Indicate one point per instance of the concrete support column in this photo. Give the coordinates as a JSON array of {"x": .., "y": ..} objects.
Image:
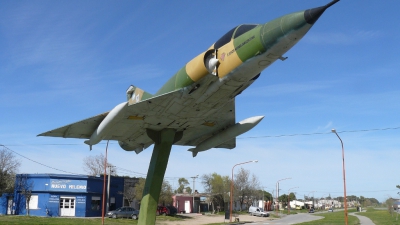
[{"x": 164, "y": 140}]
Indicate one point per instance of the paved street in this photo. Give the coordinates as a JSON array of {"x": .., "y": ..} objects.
[
  {"x": 292, "y": 219},
  {"x": 204, "y": 219}
]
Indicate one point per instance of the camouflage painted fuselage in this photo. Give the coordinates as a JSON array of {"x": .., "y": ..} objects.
[{"x": 266, "y": 42}]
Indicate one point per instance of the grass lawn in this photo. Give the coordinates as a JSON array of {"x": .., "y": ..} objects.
[
  {"x": 333, "y": 218},
  {"x": 85, "y": 221},
  {"x": 381, "y": 217}
]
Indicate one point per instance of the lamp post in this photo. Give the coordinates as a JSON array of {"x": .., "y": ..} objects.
[
  {"x": 312, "y": 198},
  {"x": 344, "y": 179},
  {"x": 288, "y": 207},
  {"x": 277, "y": 192},
  {"x": 230, "y": 207},
  {"x": 194, "y": 179}
]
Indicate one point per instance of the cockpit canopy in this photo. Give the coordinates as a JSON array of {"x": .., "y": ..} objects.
[{"x": 233, "y": 33}]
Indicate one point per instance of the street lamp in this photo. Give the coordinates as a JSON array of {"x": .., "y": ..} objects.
[
  {"x": 288, "y": 207},
  {"x": 344, "y": 179},
  {"x": 312, "y": 198},
  {"x": 277, "y": 192},
  {"x": 230, "y": 207},
  {"x": 194, "y": 179}
]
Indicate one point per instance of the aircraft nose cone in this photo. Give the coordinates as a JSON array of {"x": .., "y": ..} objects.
[{"x": 312, "y": 15}]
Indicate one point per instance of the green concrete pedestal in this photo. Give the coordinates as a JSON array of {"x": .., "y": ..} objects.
[{"x": 164, "y": 140}]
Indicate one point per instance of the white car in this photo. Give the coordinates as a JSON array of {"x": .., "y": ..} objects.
[{"x": 257, "y": 211}]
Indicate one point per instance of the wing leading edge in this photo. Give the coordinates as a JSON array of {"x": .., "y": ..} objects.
[{"x": 157, "y": 113}]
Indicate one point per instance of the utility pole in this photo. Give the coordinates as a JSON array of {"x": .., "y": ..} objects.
[
  {"x": 108, "y": 188},
  {"x": 277, "y": 193},
  {"x": 194, "y": 186}
]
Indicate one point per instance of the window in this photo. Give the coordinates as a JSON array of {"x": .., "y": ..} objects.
[
  {"x": 243, "y": 29},
  {"x": 224, "y": 39},
  {"x": 33, "y": 202},
  {"x": 112, "y": 203},
  {"x": 95, "y": 204}
]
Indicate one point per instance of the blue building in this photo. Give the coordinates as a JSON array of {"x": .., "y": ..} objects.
[{"x": 61, "y": 195}]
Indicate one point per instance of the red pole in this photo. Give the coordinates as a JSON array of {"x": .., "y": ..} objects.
[
  {"x": 289, "y": 199},
  {"x": 344, "y": 180},
  {"x": 104, "y": 186},
  {"x": 344, "y": 185}
]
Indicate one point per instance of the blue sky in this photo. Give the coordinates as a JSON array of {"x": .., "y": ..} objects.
[{"x": 63, "y": 61}]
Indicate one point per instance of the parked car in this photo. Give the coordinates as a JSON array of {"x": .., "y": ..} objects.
[
  {"x": 172, "y": 210},
  {"x": 162, "y": 210},
  {"x": 166, "y": 210},
  {"x": 330, "y": 210},
  {"x": 311, "y": 211},
  {"x": 124, "y": 212},
  {"x": 257, "y": 211}
]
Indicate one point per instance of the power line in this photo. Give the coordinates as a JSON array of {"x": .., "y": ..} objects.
[
  {"x": 264, "y": 136},
  {"x": 38, "y": 162},
  {"x": 129, "y": 171},
  {"x": 120, "y": 169},
  {"x": 319, "y": 133}
]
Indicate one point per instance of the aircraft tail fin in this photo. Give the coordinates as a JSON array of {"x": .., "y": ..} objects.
[{"x": 135, "y": 95}]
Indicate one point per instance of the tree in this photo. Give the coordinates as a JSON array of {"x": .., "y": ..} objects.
[
  {"x": 329, "y": 197},
  {"x": 267, "y": 196},
  {"x": 129, "y": 189},
  {"x": 94, "y": 165},
  {"x": 246, "y": 187},
  {"x": 283, "y": 198},
  {"x": 183, "y": 184},
  {"x": 389, "y": 204},
  {"x": 219, "y": 187},
  {"x": 373, "y": 201},
  {"x": 165, "y": 193},
  {"x": 139, "y": 187},
  {"x": 292, "y": 196},
  {"x": 9, "y": 166},
  {"x": 24, "y": 186},
  {"x": 129, "y": 194},
  {"x": 362, "y": 200}
]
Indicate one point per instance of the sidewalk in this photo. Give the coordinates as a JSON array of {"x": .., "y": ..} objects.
[{"x": 363, "y": 219}]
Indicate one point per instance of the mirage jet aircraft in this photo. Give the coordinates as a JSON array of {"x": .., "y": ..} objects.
[
  {"x": 196, "y": 107},
  {"x": 198, "y": 102}
]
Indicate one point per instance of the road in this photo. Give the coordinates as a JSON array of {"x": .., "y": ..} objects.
[
  {"x": 198, "y": 219},
  {"x": 292, "y": 219}
]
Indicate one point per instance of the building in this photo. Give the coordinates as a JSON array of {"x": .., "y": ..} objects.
[
  {"x": 331, "y": 203},
  {"x": 184, "y": 203},
  {"x": 294, "y": 204},
  {"x": 61, "y": 195}
]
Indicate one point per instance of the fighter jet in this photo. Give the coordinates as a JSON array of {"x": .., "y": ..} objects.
[{"x": 198, "y": 102}]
